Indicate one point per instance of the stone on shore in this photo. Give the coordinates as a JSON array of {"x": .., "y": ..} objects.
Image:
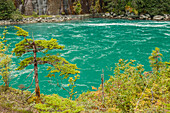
[{"x": 158, "y": 17}]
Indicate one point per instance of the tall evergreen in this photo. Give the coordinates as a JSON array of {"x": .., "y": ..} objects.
[{"x": 6, "y": 9}]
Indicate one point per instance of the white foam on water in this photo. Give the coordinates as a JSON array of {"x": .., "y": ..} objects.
[
  {"x": 81, "y": 85},
  {"x": 167, "y": 34},
  {"x": 76, "y": 58},
  {"x": 120, "y": 24},
  {"x": 125, "y": 24},
  {"x": 166, "y": 22}
]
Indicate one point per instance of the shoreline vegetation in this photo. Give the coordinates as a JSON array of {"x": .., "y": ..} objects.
[
  {"x": 129, "y": 89},
  {"x": 32, "y": 11},
  {"x": 62, "y": 18}
]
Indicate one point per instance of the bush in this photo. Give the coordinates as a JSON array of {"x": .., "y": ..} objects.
[
  {"x": 77, "y": 7},
  {"x": 16, "y": 15},
  {"x": 54, "y": 103},
  {"x": 95, "y": 8},
  {"x": 5, "y": 59},
  {"x": 6, "y": 9},
  {"x": 34, "y": 14},
  {"x": 133, "y": 90}
]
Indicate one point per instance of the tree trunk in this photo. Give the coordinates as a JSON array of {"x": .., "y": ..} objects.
[{"x": 37, "y": 88}]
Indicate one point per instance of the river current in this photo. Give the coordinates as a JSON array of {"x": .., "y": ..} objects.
[{"x": 92, "y": 44}]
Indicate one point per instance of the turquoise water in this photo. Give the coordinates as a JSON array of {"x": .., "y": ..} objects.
[{"x": 93, "y": 44}]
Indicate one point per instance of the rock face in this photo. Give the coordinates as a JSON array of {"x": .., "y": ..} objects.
[
  {"x": 53, "y": 7},
  {"x": 28, "y": 7},
  {"x": 40, "y": 6}
]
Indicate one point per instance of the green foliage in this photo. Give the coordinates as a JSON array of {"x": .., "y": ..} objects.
[
  {"x": 45, "y": 16},
  {"x": 95, "y": 8},
  {"x": 5, "y": 60},
  {"x": 44, "y": 45},
  {"x": 6, "y": 8},
  {"x": 77, "y": 7},
  {"x": 42, "y": 16},
  {"x": 152, "y": 7},
  {"x": 54, "y": 103},
  {"x": 58, "y": 64},
  {"x": 21, "y": 32},
  {"x": 16, "y": 15},
  {"x": 156, "y": 60},
  {"x": 34, "y": 14},
  {"x": 133, "y": 90},
  {"x": 155, "y": 7},
  {"x": 116, "y": 6}
]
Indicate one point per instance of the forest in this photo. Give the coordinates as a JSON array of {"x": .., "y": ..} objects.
[{"x": 12, "y": 9}]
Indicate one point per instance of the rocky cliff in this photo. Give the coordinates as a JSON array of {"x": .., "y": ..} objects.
[{"x": 51, "y": 7}]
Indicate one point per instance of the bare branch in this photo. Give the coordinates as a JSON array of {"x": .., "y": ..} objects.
[
  {"x": 27, "y": 40},
  {"x": 30, "y": 95},
  {"x": 30, "y": 84},
  {"x": 29, "y": 74}
]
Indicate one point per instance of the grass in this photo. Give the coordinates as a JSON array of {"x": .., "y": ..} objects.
[{"x": 39, "y": 16}]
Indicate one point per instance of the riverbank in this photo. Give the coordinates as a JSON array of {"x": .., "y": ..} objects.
[
  {"x": 61, "y": 18},
  {"x": 165, "y": 17},
  {"x": 49, "y": 19}
]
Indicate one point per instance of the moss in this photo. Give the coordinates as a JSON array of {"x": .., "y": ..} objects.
[{"x": 36, "y": 16}]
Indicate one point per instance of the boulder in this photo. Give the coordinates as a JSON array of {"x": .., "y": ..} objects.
[
  {"x": 143, "y": 17},
  {"x": 114, "y": 14},
  {"x": 166, "y": 17},
  {"x": 107, "y": 14},
  {"x": 158, "y": 17}
]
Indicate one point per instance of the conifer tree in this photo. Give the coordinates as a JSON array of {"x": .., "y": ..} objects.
[
  {"x": 58, "y": 63},
  {"x": 6, "y": 9}
]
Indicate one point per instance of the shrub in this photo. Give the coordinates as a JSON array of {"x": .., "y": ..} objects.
[
  {"x": 77, "y": 7},
  {"x": 16, "y": 15},
  {"x": 95, "y": 8},
  {"x": 34, "y": 14},
  {"x": 54, "y": 103},
  {"x": 133, "y": 90},
  {"x": 6, "y": 9},
  {"x": 5, "y": 60}
]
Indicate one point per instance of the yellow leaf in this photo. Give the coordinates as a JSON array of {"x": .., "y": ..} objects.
[{"x": 93, "y": 87}]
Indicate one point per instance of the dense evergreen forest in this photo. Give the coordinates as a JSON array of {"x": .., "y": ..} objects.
[{"x": 13, "y": 8}]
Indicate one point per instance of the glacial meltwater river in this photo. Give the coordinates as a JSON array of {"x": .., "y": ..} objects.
[{"x": 93, "y": 44}]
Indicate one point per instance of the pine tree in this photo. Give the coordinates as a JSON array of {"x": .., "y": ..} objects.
[
  {"x": 6, "y": 9},
  {"x": 58, "y": 63}
]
